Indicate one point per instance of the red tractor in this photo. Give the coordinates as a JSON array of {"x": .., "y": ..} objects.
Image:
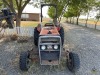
[{"x": 49, "y": 40}]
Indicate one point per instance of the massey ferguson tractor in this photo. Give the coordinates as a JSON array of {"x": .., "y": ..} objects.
[{"x": 49, "y": 40}]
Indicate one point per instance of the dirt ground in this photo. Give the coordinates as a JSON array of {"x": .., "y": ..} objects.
[{"x": 83, "y": 41}]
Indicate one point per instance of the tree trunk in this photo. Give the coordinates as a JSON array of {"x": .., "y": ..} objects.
[
  {"x": 73, "y": 20},
  {"x": 66, "y": 19},
  {"x": 70, "y": 20},
  {"x": 55, "y": 21},
  {"x": 59, "y": 19},
  {"x": 87, "y": 19},
  {"x": 96, "y": 23},
  {"x": 18, "y": 24},
  {"x": 18, "y": 21},
  {"x": 77, "y": 20}
]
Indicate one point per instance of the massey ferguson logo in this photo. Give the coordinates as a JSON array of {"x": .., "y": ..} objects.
[{"x": 49, "y": 47}]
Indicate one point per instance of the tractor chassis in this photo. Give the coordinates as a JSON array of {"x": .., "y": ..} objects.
[
  {"x": 72, "y": 59},
  {"x": 34, "y": 54}
]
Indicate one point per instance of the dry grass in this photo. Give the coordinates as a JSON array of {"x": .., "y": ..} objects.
[
  {"x": 92, "y": 22},
  {"x": 33, "y": 23},
  {"x": 29, "y": 23}
]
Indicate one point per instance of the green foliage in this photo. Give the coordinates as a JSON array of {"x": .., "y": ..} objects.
[
  {"x": 98, "y": 16},
  {"x": 68, "y": 14},
  {"x": 97, "y": 5},
  {"x": 60, "y": 5},
  {"x": 51, "y": 11},
  {"x": 77, "y": 7},
  {"x": 1, "y": 4},
  {"x": 89, "y": 5},
  {"x": 72, "y": 12}
]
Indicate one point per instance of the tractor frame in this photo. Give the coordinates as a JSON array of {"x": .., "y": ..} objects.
[{"x": 49, "y": 40}]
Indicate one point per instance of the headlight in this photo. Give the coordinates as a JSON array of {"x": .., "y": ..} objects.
[
  {"x": 43, "y": 47},
  {"x": 55, "y": 46}
]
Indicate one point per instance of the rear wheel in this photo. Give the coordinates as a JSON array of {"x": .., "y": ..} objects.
[
  {"x": 36, "y": 36},
  {"x": 24, "y": 61},
  {"x": 73, "y": 62},
  {"x": 62, "y": 34}
]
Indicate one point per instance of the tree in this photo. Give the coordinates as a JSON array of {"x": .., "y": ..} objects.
[
  {"x": 89, "y": 5},
  {"x": 51, "y": 15},
  {"x": 60, "y": 6},
  {"x": 97, "y": 7},
  {"x": 1, "y": 4},
  {"x": 97, "y": 17},
  {"x": 76, "y": 7},
  {"x": 71, "y": 12},
  {"x": 51, "y": 12},
  {"x": 18, "y": 5}
]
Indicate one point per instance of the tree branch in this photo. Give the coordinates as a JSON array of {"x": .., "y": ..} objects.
[
  {"x": 25, "y": 4},
  {"x": 20, "y": 3},
  {"x": 4, "y": 1},
  {"x": 9, "y": 5},
  {"x": 17, "y": 3},
  {"x": 19, "y": 6}
]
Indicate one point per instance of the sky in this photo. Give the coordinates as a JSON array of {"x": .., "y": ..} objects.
[{"x": 31, "y": 9}]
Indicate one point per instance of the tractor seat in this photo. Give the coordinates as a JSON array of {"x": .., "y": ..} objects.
[{"x": 49, "y": 24}]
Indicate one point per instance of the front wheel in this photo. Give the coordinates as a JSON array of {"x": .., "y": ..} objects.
[
  {"x": 73, "y": 62},
  {"x": 24, "y": 61}
]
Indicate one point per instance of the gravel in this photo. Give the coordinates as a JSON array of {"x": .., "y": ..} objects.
[
  {"x": 83, "y": 41},
  {"x": 86, "y": 43}
]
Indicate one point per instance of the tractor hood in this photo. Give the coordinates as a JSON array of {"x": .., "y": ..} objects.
[{"x": 49, "y": 31}]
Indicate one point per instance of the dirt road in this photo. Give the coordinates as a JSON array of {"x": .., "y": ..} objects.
[
  {"x": 86, "y": 43},
  {"x": 83, "y": 41}
]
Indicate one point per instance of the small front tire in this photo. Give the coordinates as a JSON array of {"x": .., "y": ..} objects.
[
  {"x": 73, "y": 62},
  {"x": 24, "y": 61}
]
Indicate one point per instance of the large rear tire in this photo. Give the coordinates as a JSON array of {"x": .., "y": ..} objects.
[
  {"x": 36, "y": 36},
  {"x": 24, "y": 61},
  {"x": 61, "y": 32},
  {"x": 73, "y": 62}
]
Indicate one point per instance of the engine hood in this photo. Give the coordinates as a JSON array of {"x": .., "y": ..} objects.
[{"x": 49, "y": 31}]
